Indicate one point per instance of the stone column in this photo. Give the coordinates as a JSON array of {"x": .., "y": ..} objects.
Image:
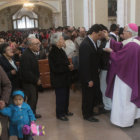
[
  {"x": 133, "y": 11},
  {"x": 121, "y": 12},
  {"x": 126, "y": 12},
  {"x": 89, "y": 13},
  {"x": 70, "y": 12},
  {"x": 64, "y": 13}
]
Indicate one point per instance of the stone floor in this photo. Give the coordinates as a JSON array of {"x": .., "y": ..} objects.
[{"x": 77, "y": 128}]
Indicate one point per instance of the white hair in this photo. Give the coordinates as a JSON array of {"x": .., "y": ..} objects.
[
  {"x": 55, "y": 38},
  {"x": 31, "y": 36},
  {"x": 133, "y": 32}
]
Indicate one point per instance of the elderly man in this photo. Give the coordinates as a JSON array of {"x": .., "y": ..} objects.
[
  {"x": 123, "y": 78},
  {"x": 5, "y": 90},
  {"x": 79, "y": 39},
  {"x": 29, "y": 72}
]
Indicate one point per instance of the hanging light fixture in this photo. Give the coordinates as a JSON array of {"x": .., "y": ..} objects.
[{"x": 28, "y": 6}]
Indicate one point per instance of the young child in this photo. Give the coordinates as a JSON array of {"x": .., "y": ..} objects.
[{"x": 20, "y": 114}]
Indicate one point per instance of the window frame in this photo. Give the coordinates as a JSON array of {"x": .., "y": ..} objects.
[{"x": 35, "y": 19}]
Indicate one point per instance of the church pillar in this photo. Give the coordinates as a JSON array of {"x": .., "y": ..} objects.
[
  {"x": 126, "y": 12},
  {"x": 133, "y": 11},
  {"x": 64, "y": 13},
  {"x": 121, "y": 13},
  {"x": 89, "y": 13},
  {"x": 70, "y": 12}
]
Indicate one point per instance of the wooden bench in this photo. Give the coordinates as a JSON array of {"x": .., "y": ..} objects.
[{"x": 44, "y": 70}]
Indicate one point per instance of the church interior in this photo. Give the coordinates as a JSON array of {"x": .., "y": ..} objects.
[{"x": 26, "y": 15}]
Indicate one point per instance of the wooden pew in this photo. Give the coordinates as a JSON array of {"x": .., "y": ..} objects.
[{"x": 44, "y": 72}]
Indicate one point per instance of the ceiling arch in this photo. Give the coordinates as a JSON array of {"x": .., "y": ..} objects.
[
  {"x": 24, "y": 11},
  {"x": 53, "y": 5}
]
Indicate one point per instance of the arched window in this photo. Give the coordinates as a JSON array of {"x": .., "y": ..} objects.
[{"x": 25, "y": 18}]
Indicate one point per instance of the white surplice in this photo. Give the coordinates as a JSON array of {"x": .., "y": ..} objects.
[
  {"x": 124, "y": 112},
  {"x": 103, "y": 85}
]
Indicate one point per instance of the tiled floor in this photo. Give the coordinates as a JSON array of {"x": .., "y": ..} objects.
[{"x": 77, "y": 128}]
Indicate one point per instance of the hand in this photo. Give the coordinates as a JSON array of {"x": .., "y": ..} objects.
[
  {"x": 106, "y": 34},
  {"x": 109, "y": 50},
  {"x": 47, "y": 54},
  {"x": 13, "y": 72},
  {"x": 71, "y": 67},
  {"x": 39, "y": 82},
  {"x": 90, "y": 83},
  {"x": 2, "y": 104},
  {"x": 32, "y": 122}
]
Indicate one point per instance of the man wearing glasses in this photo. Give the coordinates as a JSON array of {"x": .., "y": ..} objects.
[
  {"x": 123, "y": 78},
  {"x": 29, "y": 72}
]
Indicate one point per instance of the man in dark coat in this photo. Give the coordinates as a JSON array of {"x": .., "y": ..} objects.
[
  {"x": 114, "y": 30},
  {"x": 5, "y": 91},
  {"x": 89, "y": 74},
  {"x": 29, "y": 72},
  {"x": 104, "y": 66}
]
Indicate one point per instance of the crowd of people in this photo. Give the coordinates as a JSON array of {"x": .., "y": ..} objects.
[{"x": 105, "y": 62}]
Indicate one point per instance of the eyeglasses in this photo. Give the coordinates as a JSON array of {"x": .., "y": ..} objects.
[{"x": 125, "y": 31}]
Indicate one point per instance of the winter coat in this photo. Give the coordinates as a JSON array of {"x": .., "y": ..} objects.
[
  {"x": 18, "y": 118},
  {"x": 29, "y": 69},
  {"x": 59, "y": 70}
]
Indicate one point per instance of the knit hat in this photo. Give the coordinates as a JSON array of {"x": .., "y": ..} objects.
[{"x": 18, "y": 92}]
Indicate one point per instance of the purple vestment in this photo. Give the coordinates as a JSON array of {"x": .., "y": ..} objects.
[{"x": 125, "y": 63}]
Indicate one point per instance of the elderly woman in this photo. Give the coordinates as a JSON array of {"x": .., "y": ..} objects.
[
  {"x": 60, "y": 76},
  {"x": 8, "y": 65}
]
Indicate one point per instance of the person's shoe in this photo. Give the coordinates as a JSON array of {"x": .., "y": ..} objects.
[
  {"x": 104, "y": 111},
  {"x": 69, "y": 114},
  {"x": 38, "y": 116},
  {"x": 63, "y": 118},
  {"x": 92, "y": 119}
]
